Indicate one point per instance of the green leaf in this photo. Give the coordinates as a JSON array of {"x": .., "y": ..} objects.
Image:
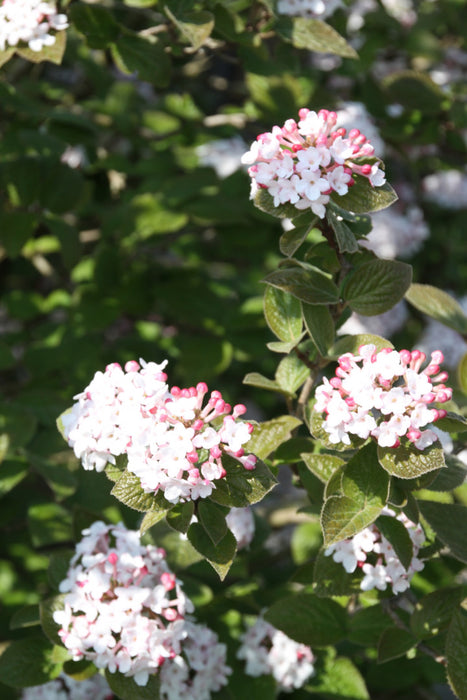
[
  {"x": 438, "y": 305},
  {"x": 415, "y": 90},
  {"x": 292, "y": 450},
  {"x": 314, "y": 35},
  {"x": 179, "y": 517},
  {"x": 283, "y": 314},
  {"x": 47, "y": 608},
  {"x": 49, "y": 524},
  {"x": 145, "y": 56},
  {"x": 17, "y": 423},
  {"x": 16, "y": 228},
  {"x": 5, "y": 56},
  {"x": 449, "y": 521},
  {"x": 393, "y": 643},
  {"x": 341, "y": 680},
  {"x": 291, "y": 240},
  {"x": 27, "y": 662},
  {"x": 315, "y": 426},
  {"x": 96, "y": 23},
  {"x": 269, "y": 435},
  {"x": 365, "y": 489},
  {"x": 410, "y": 462},
  {"x": 25, "y": 617},
  {"x": 451, "y": 477},
  {"x": 367, "y": 625},
  {"x": 452, "y": 423},
  {"x": 263, "y": 201},
  {"x": 331, "y": 579},
  {"x": 308, "y": 619},
  {"x": 12, "y": 472},
  {"x": 150, "y": 519},
  {"x": 220, "y": 555},
  {"x": 126, "y": 688},
  {"x": 280, "y": 347},
  {"x": 346, "y": 241},
  {"x": 462, "y": 374},
  {"x": 59, "y": 564},
  {"x": 53, "y": 53},
  {"x": 362, "y": 198},
  {"x": 310, "y": 285},
  {"x": 291, "y": 373},
  {"x": 396, "y": 533},
  {"x": 79, "y": 670},
  {"x": 433, "y": 613},
  {"x": 322, "y": 465},
  {"x": 195, "y": 27},
  {"x": 376, "y": 286},
  {"x": 257, "y": 379},
  {"x": 352, "y": 343},
  {"x": 242, "y": 487},
  {"x": 129, "y": 491},
  {"x": 456, "y": 645},
  {"x": 320, "y": 326},
  {"x": 212, "y": 517}
]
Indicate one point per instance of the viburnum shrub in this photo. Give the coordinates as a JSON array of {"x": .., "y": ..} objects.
[{"x": 317, "y": 548}]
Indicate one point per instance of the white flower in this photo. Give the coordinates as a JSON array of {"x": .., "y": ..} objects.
[{"x": 29, "y": 22}]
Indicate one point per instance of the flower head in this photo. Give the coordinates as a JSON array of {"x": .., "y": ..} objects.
[
  {"x": 29, "y": 22},
  {"x": 383, "y": 395},
  {"x": 303, "y": 163},
  {"x": 174, "y": 440}
]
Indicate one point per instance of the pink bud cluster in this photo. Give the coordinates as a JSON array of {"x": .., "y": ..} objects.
[
  {"x": 268, "y": 651},
  {"x": 125, "y": 611},
  {"x": 29, "y": 22},
  {"x": 386, "y": 568},
  {"x": 173, "y": 439},
  {"x": 383, "y": 395},
  {"x": 303, "y": 163}
]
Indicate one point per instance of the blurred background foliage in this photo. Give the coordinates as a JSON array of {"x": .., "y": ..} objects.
[{"x": 119, "y": 241}]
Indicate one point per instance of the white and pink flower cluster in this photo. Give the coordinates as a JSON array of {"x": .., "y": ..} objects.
[
  {"x": 125, "y": 611},
  {"x": 173, "y": 443},
  {"x": 303, "y": 163},
  {"x": 268, "y": 651},
  {"x": 383, "y": 395},
  {"x": 387, "y": 568},
  {"x": 66, "y": 688},
  {"x": 29, "y": 22}
]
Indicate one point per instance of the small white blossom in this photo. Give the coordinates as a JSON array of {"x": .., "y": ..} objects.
[{"x": 29, "y": 22}]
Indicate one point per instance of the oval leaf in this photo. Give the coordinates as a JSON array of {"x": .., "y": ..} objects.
[
  {"x": 314, "y": 35},
  {"x": 320, "y": 326},
  {"x": 438, "y": 305},
  {"x": 449, "y": 521},
  {"x": 409, "y": 462},
  {"x": 242, "y": 487},
  {"x": 377, "y": 286},
  {"x": 283, "y": 314},
  {"x": 308, "y": 619},
  {"x": 456, "y": 644},
  {"x": 310, "y": 285}
]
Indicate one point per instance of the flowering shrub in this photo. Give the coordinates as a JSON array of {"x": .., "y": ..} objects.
[
  {"x": 167, "y": 435},
  {"x": 29, "y": 22},
  {"x": 267, "y": 650},
  {"x": 372, "y": 386},
  {"x": 335, "y": 519},
  {"x": 302, "y": 163}
]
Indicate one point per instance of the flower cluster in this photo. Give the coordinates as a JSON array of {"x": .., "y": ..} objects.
[
  {"x": 398, "y": 234},
  {"x": 173, "y": 443},
  {"x": 387, "y": 568},
  {"x": 383, "y": 395},
  {"x": 303, "y": 163},
  {"x": 268, "y": 651},
  {"x": 66, "y": 688},
  {"x": 29, "y": 22},
  {"x": 446, "y": 188},
  {"x": 125, "y": 611},
  {"x": 241, "y": 524}
]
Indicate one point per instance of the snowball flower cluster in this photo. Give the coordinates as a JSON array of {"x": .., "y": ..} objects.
[
  {"x": 383, "y": 395},
  {"x": 268, "y": 651},
  {"x": 397, "y": 233},
  {"x": 303, "y": 163},
  {"x": 446, "y": 188},
  {"x": 173, "y": 443},
  {"x": 387, "y": 568},
  {"x": 29, "y": 22},
  {"x": 241, "y": 524},
  {"x": 125, "y": 611},
  {"x": 224, "y": 155},
  {"x": 66, "y": 688}
]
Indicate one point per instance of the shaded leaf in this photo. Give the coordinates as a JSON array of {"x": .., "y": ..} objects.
[
  {"x": 415, "y": 90},
  {"x": 25, "y": 617},
  {"x": 456, "y": 644},
  {"x": 179, "y": 517},
  {"x": 291, "y": 240},
  {"x": 346, "y": 241},
  {"x": 195, "y": 27},
  {"x": 433, "y": 613},
  {"x": 27, "y": 662},
  {"x": 396, "y": 533},
  {"x": 438, "y": 305},
  {"x": 362, "y": 198},
  {"x": 291, "y": 373},
  {"x": 212, "y": 517},
  {"x": 449, "y": 521},
  {"x": 376, "y": 286},
  {"x": 46, "y": 610},
  {"x": 283, "y": 314},
  {"x": 320, "y": 326},
  {"x": 308, "y": 619},
  {"x": 145, "y": 56},
  {"x": 352, "y": 343},
  {"x": 331, "y": 579},
  {"x": 96, "y": 23},
  {"x": 219, "y": 555},
  {"x": 367, "y": 625},
  {"x": 242, "y": 487},
  {"x": 126, "y": 688},
  {"x": 310, "y": 285},
  {"x": 393, "y": 643}
]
